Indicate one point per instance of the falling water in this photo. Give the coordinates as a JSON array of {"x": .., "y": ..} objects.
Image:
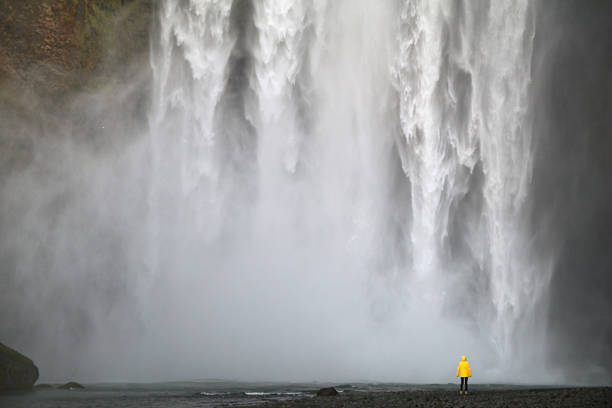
[
  {"x": 353, "y": 166},
  {"x": 463, "y": 76}
]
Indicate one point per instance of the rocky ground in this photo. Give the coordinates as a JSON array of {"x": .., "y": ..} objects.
[{"x": 565, "y": 397}]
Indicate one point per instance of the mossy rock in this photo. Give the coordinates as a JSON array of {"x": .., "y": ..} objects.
[
  {"x": 17, "y": 372},
  {"x": 72, "y": 385},
  {"x": 54, "y": 48}
]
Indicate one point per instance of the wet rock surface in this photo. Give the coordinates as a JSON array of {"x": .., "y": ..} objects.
[
  {"x": 327, "y": 392},
  {"x": 17, "y": 372},
  {"x": 566, "y": 397}
]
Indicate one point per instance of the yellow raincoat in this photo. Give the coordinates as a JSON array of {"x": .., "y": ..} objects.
[{"x": 464, "y": 369}]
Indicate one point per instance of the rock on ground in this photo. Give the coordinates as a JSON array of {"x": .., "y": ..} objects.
[
  {"x": 327, "y": 392},
  {"x": 71, "y": 386},
  {"x": 17, "y": 372}
]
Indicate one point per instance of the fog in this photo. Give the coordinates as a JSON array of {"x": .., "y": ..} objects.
[{"x": 321, "y": 191}]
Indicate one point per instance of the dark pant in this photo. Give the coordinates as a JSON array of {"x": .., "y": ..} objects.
[{"x": 463, "y": 382}]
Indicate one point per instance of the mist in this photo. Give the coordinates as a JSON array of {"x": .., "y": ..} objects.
[{"x": 320, "y": 191}]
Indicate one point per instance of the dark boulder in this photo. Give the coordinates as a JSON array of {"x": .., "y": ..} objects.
[
  {"x": 72, "y": 385},
  {"x": 327, "y": 392},
  {"x": 17, "y": 372}
]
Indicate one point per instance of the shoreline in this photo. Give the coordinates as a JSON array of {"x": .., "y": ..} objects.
[{"x": 291, "y": 395}]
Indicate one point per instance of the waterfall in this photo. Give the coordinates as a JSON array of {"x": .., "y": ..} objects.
[
  {"x": 463, "y": 74},
  {"x": 366, "y": 159}
]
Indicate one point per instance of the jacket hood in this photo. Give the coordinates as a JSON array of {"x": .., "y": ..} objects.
[{"x": 463, "y": 358}]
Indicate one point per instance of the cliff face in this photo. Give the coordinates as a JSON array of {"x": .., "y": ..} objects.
[
  {"x": 62, "y": 63},
  {"x": 17, "y": 372},
  {"x": 55, "y": 46},
  {"x": 53, "y": 52}
]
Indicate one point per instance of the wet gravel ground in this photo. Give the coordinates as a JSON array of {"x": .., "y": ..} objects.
[{"x": 533, "y": 398}]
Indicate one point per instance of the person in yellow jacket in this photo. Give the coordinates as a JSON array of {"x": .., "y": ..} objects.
[{"x": 464, "y": 371}]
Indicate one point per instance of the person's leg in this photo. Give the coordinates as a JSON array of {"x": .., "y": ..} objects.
[
  {"x": 462, "y": 382},
  {"x": 466, "y": 380}
]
